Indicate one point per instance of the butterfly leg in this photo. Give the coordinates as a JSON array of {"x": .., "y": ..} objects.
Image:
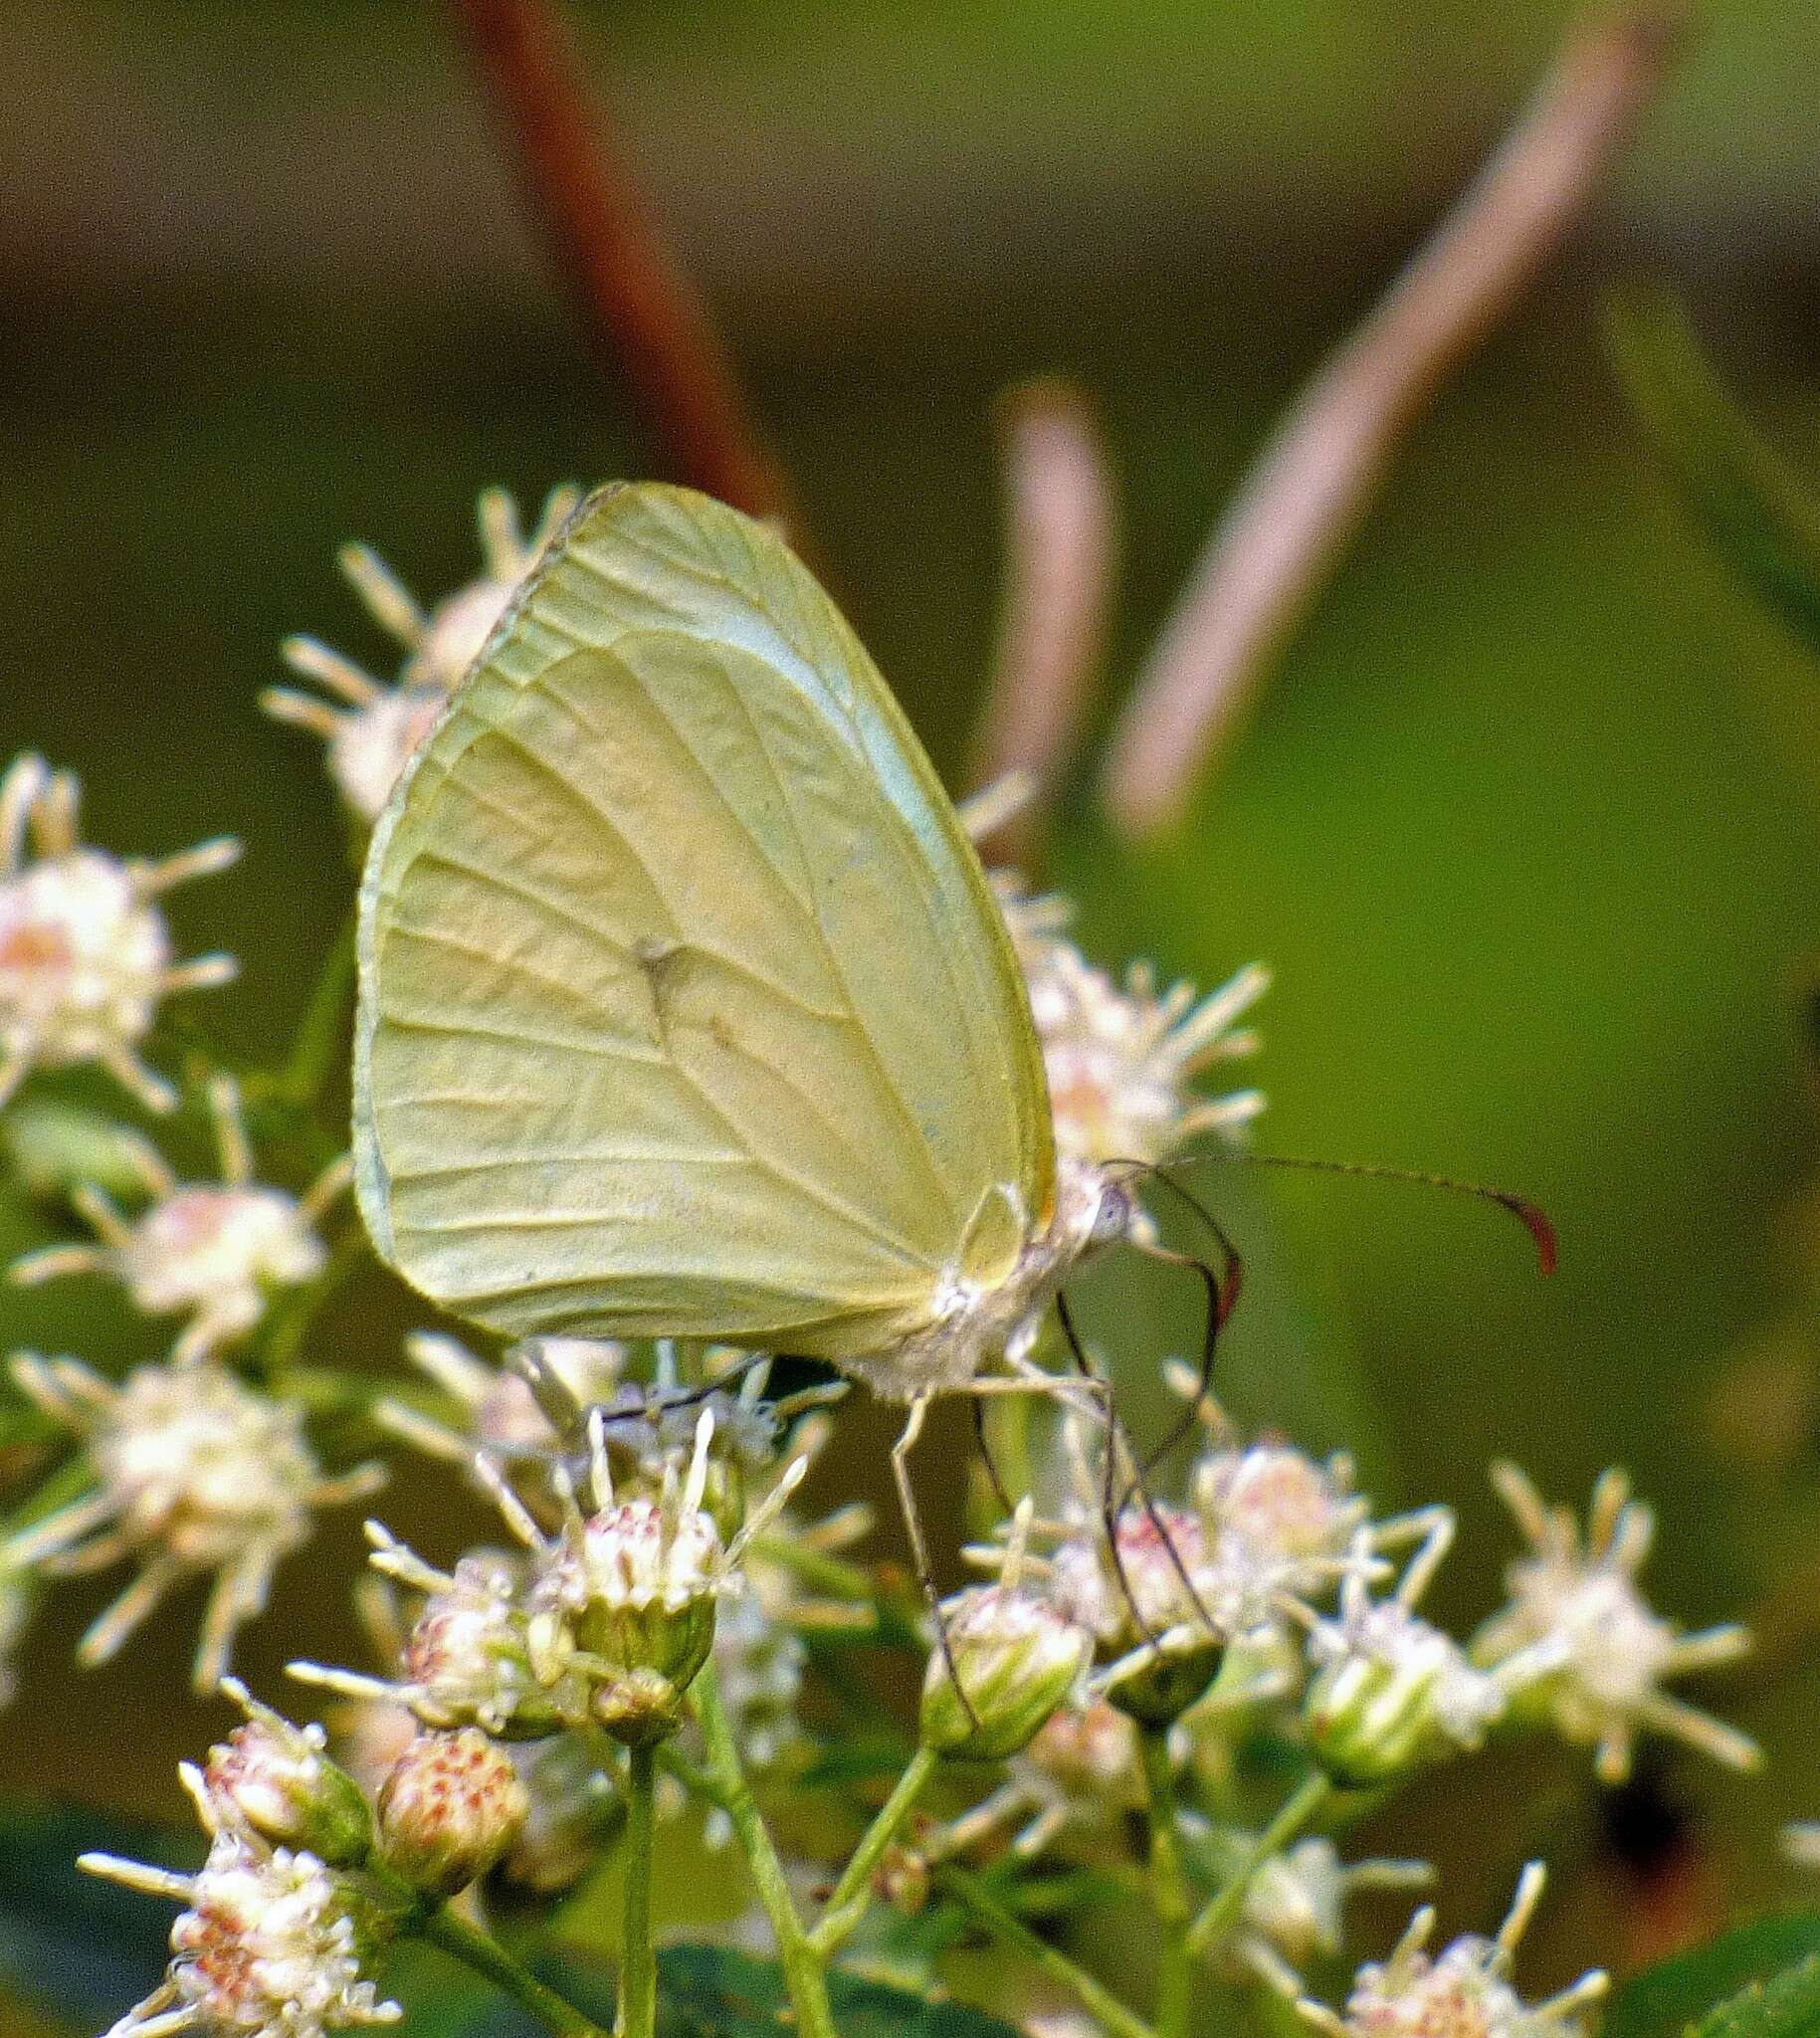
[
  {"x": 984, "y": 1445},
  {"x": 1117, "y": 1438},
  {"x": 1094, "y": 1394},
  {"x": 919, "y": 1548}
]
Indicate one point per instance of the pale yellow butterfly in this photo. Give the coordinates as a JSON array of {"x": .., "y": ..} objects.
[{"x": 686, "y": 1008}]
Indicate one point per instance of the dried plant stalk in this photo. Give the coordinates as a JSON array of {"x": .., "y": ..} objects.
[
  {"x": 1061, "y": 546},
  {"x": 1283, "y": 532},
  {"x": 639, "y": 308}
]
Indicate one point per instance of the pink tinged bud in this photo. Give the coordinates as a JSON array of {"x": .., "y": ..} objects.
[
  {"x": 453, "y": 1804},
  {"x": 469, "y": 1657},
  {"x": 273, "y": 1781},
  {"x": 1152, "y": 1609},
  {"x": 639, "y": 1580},
  {"x": 648, "y": 1620},
  {"x": 1016, "y": 1659}
]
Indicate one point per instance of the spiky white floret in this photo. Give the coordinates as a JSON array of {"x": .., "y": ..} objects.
[
  {"x": 372, "y": 728},
  {"x": 194, "y": 1472},
  {"x": 86, "y": 956},
  {"x": 1575, "y": 1605},
  {"x": 211, "y": 1251}
]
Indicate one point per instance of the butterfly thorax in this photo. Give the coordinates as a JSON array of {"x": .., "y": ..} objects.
[{"x": 973, "y": 1323}]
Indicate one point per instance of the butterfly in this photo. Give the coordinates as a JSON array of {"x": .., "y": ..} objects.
[{"x": 686, "y": 1008}]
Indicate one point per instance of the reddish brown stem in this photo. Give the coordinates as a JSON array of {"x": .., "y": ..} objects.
[
  {"x": 1060, "y": 539},
  {"x": 640, "y": 313},
  {"x": 1288, "y": 526}
]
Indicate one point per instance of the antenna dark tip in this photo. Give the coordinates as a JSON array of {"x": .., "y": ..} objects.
[{"x": 1537, "y": 1222}]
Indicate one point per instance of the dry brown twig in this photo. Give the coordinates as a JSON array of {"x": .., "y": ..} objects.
[
  {"x": 639, "y": 309},
  {"x": 1285, "y": 530},
  {"x": 1061, "y": 547}
]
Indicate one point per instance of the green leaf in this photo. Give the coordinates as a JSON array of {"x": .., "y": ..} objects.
[
  {"x": 715, "y": 1992},
  {"x": 78, "y": 1948},
  {"x": 1758, "y": 513},
  {"x": 442, "y": 1999},
  {"x": 1787, "y": 2006},
  {"x": 1696, "y": 1989},
  {"x": 857, "y": 1761}
]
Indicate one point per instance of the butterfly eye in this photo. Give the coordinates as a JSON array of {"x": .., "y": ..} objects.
[{"x": 1112, "y": 1219}]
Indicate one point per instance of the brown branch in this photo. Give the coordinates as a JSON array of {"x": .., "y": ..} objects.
[
  {"x": 1283, "y": 532},
  {"x": 640, "y": 312},
  {"x": 1061, "y": 541}
]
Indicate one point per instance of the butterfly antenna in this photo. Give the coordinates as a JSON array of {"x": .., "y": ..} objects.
[
  {"x": 1532, "y": 1216},
  {"x": 665, "y": 1399},
  {"x": 1233, "y": 1275},
  {"x": 1220, "y": 1302}
]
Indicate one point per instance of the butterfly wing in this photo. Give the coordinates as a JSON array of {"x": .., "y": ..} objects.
[{"x": 685, "y": 1006}]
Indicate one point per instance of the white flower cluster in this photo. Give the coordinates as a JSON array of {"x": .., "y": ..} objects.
[
  {"x": 371, "y": 728},
  {"x": 276, "y": 1939},
  {"x": 85, "y": 953},
  {"x": 1577, "y": 1611},
  {"x": 306, "y": 1881},
  {"x": 1121, "y": 1057},
  {"x": 213, "y": 1252},
  {"x": 1464, "y": 1991},
  {"x": 268, "y": 1947},
  {"x": 194, "y": 1474},
  {"x": 491, "y": 1415},
  {"x": 189, "y": 1471},
  {"x": 610, "y": 1610},
  {"x": 1272, "y": 1598}
]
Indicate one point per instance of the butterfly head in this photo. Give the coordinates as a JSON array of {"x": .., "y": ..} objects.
[{"x": 973, "y": 1320}]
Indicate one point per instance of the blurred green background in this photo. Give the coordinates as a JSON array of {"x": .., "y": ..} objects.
[{"x": 1528, "y": 828}]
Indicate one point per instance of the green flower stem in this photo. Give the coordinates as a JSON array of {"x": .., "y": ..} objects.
[
  {"x": 1222, "y": 1911},
  {"x": 973, "y": 1897},
  {"x": 802, "y": 1966},
  {"x": 1169, "y": 1887},
  {"x": 637, "y": 1963},
  {"x": 852, "y": 1892},
  {"x": 71, "y": 1478},
  {"x": 317, "y": 1050},
  {"x": 451, "y": 1932}
]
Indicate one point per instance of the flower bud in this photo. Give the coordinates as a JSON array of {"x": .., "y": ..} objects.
[
  {"x": 453, "y": 1804},
  {"x": 1015, "y": 1660},
  {"x": 646, "y": 1613},
  {"x": 57, "y": 1148},
  {"x": 636, "y": 1583},
  {"x": 1394, "y": 1692},
  {"x": 1168, "y": 1678},
  {"x": 1149, "y": 1605},
  {"x": 273, "y": 1780},
  {"x": 472, "y": 1656}
]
